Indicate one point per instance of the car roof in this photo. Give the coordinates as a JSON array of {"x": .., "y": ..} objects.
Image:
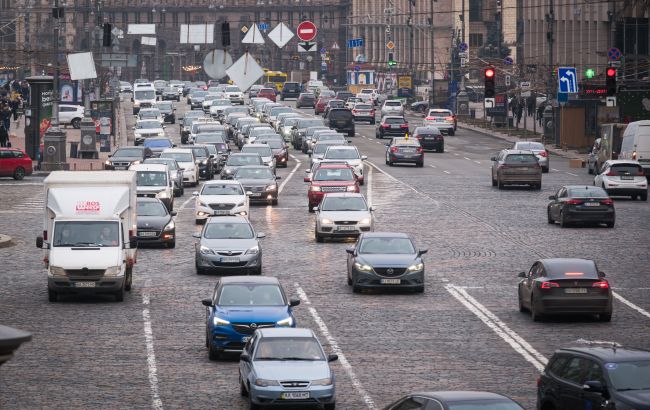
[
  {"x": 607, "y": 352},
  {"x": 148, "y": 167},
  {"x": 622, "y": 161},
  {"x": 556, "y": 265},
  {"x": 249, "y": 279},
  {"x": 180, "y": 150},
  {"x": 344, "y": 195},
  {"x": 327, "y": 165},
  {"x": 254, "y": 167},
  {"x": 518, "y": 151},
  {"x": 460, "y": 395},
  {"x": 386, "y": 234},
  {"x": 222, "y": 182},
  {"x": 233, "y": 219},
  {"x": 286, "y": 332}
]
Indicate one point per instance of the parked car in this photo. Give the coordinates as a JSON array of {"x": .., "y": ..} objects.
[
  {"x": 156, "y": 225},
  {"x": 404, "y": 150},
  {"x": 623, "y": 177},
  {"x": 341, "y": 120},
  {"x": 538, "y": 149},
  {"x": 455, "y": 400},
  {"x": 516, "y": 167},
  {"x": 581, "y": 204},
  {"x": 15, "y": 163},
  {"x": 306, "y": 100},
  {"x": 430, "y": 138},
  {"x": 392, "y": 126}
]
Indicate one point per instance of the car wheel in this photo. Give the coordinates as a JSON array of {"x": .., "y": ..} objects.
[
  {"x": 605, "y": 317},
  {"x": 549, "y": 218},
  {"x": 76, "y": 123},
  {"x": 533, "y": 312},
  {"x": 129, "y": 279},
  {"x": 644, "y": 196},
  {"x": 610, "y": 224},
  {"x": 19, "y": 173},
  {"x": 319, "y": 238},
  {"x": 242, "y": 389},
  {"x": 355, "y": 288},
  {"x": 199, "y": 270},
  {"x": 494, "y": 181},
  {"x": 499, "y": 183},
  {"x": 452, "y": 133},
  {"x": 52, "y": 296},
  {"x": 119, "y": 295},
  {"x": 372, "y": 122},
  {"x": 274, "y": 201},
  {"x": 521, "y": 305},
  {"x": 329, "y": 406},
  {"x": 420, "y": 164},
  {"x": 213, "y": 353},
  {"x": 171, "y": 245},
  {"x": 564, "y": 223}
]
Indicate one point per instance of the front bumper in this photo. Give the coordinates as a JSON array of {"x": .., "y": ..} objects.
[
  {"x": 342, "y": 231},
  {"x": 272, "y": 396},
  {"x": 68, "y": 284},
  {"x": 213, "y": 262},
  {"x": 374, "y": 280},
  {"x": 189, "y": 176},
  {"x": 160, "y": 238},
  {"x": 202, "y": 213}
]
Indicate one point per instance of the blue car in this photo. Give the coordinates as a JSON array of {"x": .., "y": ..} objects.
[{"x": 240, "y": 305}]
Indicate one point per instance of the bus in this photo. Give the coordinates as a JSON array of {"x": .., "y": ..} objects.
[{"x": 278, "y": 78}]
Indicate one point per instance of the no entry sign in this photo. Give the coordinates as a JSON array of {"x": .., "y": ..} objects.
[{"x": 306, "y": 31}]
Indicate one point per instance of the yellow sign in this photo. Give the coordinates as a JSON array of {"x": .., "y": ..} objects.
[
  {"x": 390, "y": 45},
  {"x": 404, "y": 81},
  {"x": 244, "y": 29},
  {"x": 406, "y": 136}
]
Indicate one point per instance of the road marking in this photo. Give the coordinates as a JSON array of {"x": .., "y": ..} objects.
[
  {"x": 156, "y": 403},
  {"x": 293, "y": 171},
  {"x": 467, "y": 158},
  {"x": 433, "y": 166},
  {"x": 336, "y": 348},
  {"x": 456, "y": 154},
  {"x": 446, "y": 172},
  {"x": 185, "y": 203},
  {"x": 435, "y": 202},
  {"x": 369, "y": 188},
  {"x": 502, "y": 330},
  {"x": 575, "y": 175},
  {"x": 478, "y": 162},
  {"x": 631, "y": 305},
  {"x": 556, "y": 170},
  {"x": 19, "y": 184}
]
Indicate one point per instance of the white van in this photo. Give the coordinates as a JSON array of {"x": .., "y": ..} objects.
[
  {"x": 143, "y": 97},
  {"x": 636, "y": 144},
  {"x": 152, "y": 180}
]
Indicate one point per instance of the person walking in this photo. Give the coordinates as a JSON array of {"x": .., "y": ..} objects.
[
  {"x": 4, "y": 136},
  {"x": 5, "y": 115},
  {"x": 540, "y": 114}
]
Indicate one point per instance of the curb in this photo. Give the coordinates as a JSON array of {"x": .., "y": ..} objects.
[{"x": 6, "y": 241}]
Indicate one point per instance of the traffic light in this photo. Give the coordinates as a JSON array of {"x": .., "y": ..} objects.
[
  {"x": 590, "y": 73},
  {"x": 488, "y": 76},
  {"x": 610, "y": 81},
  {"x": 107, "y": 39},
  {"x": 225, "y": 34},
  {"x": 391, "y": 60}
]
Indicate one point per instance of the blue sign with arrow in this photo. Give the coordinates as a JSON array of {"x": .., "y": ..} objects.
[
  {"x": 462, "y": 47},
  {"x": 355, "y": 42},
  {"x": 567, "y": 80},
  {"x": 263, "y": 26}
]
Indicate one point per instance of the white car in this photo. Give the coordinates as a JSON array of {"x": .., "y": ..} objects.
[
  {"x": 178, "y": 86},
  {"x": 152, "y": 180},
  {"x": 220, "y": 198},
  {"x": 126, "y": 87},
  {"x": 349, "y": 207},
  {"x": 349, "y": 154},
  {"x": 368, "y": 95},
  {"x": 235, "y": 95},
  {"x": 144, "y": 129},
  {"x": 218, "y": 106},
  {"x": 71, "y": 115},
  {"x": 151, "y": 114},
  {"x": 623, "y": 177},
  {"x": 392, "y": 107},
  {"x": 442, "y": 119},
  {"x": 187, "y": 161}
]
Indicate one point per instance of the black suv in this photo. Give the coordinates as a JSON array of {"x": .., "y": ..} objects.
[
  {"x": 595, "y": 375},
  {"x": 290, "y": 90},
  {"x": 341, "y": 120},
  {"x": 206, "y": 160}
]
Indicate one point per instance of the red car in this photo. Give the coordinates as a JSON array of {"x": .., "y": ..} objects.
[
  {"x": 267, "y": 93},
  {"x": 321, "y": 104},
  {"x": 15, "y": 163},
  {"x": 330, "y": 178}
]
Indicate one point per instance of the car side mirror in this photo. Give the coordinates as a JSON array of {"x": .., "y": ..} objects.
[
  {"x": 294, "y": 302},
  {"x": 372, "y": 208},
  {"x": 39, "y": 242},
  {"x": 173, "y": 213},
  {"x": 133, "y": 127},
  {"x": 277, "y": 177},
  {"x": 387, "y": 144},
  {"x": 195, "y": 193},
  {"x": 552, "y": 197},
  {"x": 196, "y": 235},
  {"x": 315, "y": 209},
  {"x": 593, "y": 386},
  {"x": 422, "y": 252},
  {"x": 332, "y": 357},
  {"x": 245, "y": 357},
  {"x": 164, "y": 126},
  {"x": 207, "y": 302},
  {"x": 601, "y": 274},
  {"x": 521, "y": 275},
  {"x": 307, "y": 179},
  {"x": 350, "y": 251},
  {"x": 261, "y": 235},
  {"x": 493, "y": 159}
]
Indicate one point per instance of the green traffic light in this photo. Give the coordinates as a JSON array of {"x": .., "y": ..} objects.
[
  {"x": 392, "y": 63},
  {"x": 590, "y": 73}
]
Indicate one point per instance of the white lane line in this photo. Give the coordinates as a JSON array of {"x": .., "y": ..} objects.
[
  {"x": 478, "y": 162},
  {"x": 631, "y": 305},
  {"x": 156, "y": 402},
  {"x": 456, "y": 154},
  {"x": 433, "y": 166},
  {"x": 446, "y": 172},
  {"x": 377, "y": 142},
  {"x": 22, "y": 184},
  {"x": 434, "y": 201},
  {"x": 185, "y": 203},
  {"x": 556, "y": 170},
  {"x": 467, "y": 158},
  {"x": 336, "y": 349},
  {"x": 502, "y": 330},
  {"x": 369, "y": 188},
  {"x": 293, "y": 171},
  {"x": 570, "y": 173}
]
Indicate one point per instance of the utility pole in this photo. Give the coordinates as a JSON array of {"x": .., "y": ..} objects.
[
  {"x": 388, "y": 11},
  {"x": 411, "y": 37},
  {"x": 432, "y": 95},
  {"x": 57, "y": 14},
  {"x": 550, "y": 26}
]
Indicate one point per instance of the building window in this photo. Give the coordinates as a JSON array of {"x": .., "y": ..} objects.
[
  {"x": 150, "y": 17},
  {"x": 476, "y": 39},
  {"x": 475, "y": 10},
  {"x": 162, "y": 18},
  {"x": 137, "y": 17},
  {"x": 175, "y": 18}
]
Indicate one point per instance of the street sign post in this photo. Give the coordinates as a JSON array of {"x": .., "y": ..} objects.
[
  {"x": 463, "y": 47},
  {"x": 306, "y": 31},
  {"x": 567, "y": 80},
  {"x": 306, "y": 46},
  {"x": 614, "y": 54},
  {"x": 390, "y": 45}
]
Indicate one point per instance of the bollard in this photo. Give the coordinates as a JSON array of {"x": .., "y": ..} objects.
[
  {"x": 74, "y": 166},
  {"x": 91, "y": 166}
]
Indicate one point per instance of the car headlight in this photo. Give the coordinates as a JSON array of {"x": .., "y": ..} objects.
[
  {"x": 272, "y": 187},
  {"x": 326, "y": 221},
  {"x": 205, "y": 250},
  {"x": 136, "y": 104},
  {"x": 107, "y": 162},
  {"x": 322, "y": 382},
  {"x": 253, "y": 251},
  {"x": 365, "y": 221},
  {"x": 113, "y": 271},
  {"x": 362, "y": 267},
  {"x": 162, "y": 194},
  {"x": 416, "y": 267},
  {"x": 217, "y": 321},
  {"x": 136, "y": 162},
  {"x": 351, "y": 188},
  {"x": 288, "y": 322},
  {"x": 57, "y": 271},
  {"x": 228, "y": 171},
  {"x": 171, "y": 225},
  {"x": 161, "y": 134},
  {"x": 266, "y": 383},
  {"x": 315, "y": 188}
]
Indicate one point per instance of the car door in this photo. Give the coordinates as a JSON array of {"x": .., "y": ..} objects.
[
  {"x": 594, "y": 372},
  {"x": 6, "y": 158},
  {"x": 556, "y": 204},
  {"x": 572, "y": 377},
  {"x": 246, "y": 368}
]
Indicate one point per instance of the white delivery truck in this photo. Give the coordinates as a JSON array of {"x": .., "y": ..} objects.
[{"x": 89, "y": 232}]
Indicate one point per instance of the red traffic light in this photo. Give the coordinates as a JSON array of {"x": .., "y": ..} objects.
[
  {"x": 489, "y": 72},
  {"x": 611, "y": 72}
]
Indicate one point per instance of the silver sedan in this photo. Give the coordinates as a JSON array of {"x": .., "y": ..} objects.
[{"x": 343, "y": 215}]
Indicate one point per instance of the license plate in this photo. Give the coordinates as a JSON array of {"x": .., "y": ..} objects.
[
  {"x": 627, "y": 177},
  {"x": 221, "y": 212},
  {"x": 245, "y": 339},
  {"x": 119, "y": 167},
  {"x": 390, "y": 281},
  {"x": 256, "y": 194},
  {"x": 409, "y": 151},
  {"x": 575, "y": 290},
  {"x": 141, "y": 233},
  {"x": 592, "y": 203},
  {"x": 395, "y": 126},
  {"x": 85, "y": 284},
  {"x": 229, "y": 259},
  {"x": 347, "y": 228},
  {"x": 295, "y": 395}
]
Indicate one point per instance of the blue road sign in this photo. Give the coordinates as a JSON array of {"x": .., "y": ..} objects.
[
  {"x": 508, "y": 61},
  {"x": 567, "y": 80},
  {"x": 323, "y": 50},
  {"x": 357, "y": 68},
  {"x": 263, "y": 26},
  {"x": 355, "y": 42},
  {"x": 614, "y": 54},
  {"x": 562, "y": 97},
  {"x": 462, "y": 47}
]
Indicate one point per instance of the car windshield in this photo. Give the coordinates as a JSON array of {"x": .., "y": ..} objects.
[
  {"x": 221, "y": 103},
  {"x": 199, "y": 94},
  {"x": 128, "y": 152},
  {"x": 277, "y": 110},
  {"x": 343, "y": 204},
  {"x": 273, "y": 143},
  {"x": 226, "y": 230},
  {"x": 587, "y": 192},
  {"x": 173, "y": 165},
  {"x": 165, "y": 106},
  {"x": 86, "y": 233},
  {"x": 244, "y": 160},
  {"x": 200, "y": 152},
  {"x": 340, "y": 114},
  {"x": 289, "y": 348},
  {"x": 521, "y": 159},
  {"x": 149, "y": 114},
  {"x": 151, "y": 209},
  {"x": 334, "y": 174},
  {"x": 626, "y": 170},
  {"x": 144, "y": 94},
  {"x": 321, "y": 148},
  {"x": 394, "y": 120},
  {"x": 536, "y": 146},
  {"x": 222, "y": 189},
  {"x": 254, "y": 173},
  {"x": 233, "y": 89},
  {"x": 290, "y": 122},
  {"x": 147, "y": 125},
  {"x": 310, "y": 123},
  {"x": 212, "y": 138},
  {"x": 387, "y": 245},
  {"x": 484, "y": 404},
  {"x": 393, "y": 104},
  {"x": 201, "y": 128},
  {"x": 263, "y": 151},
  {"x": 152, "y": 178},
  {"x": 178, "y": 156},
  {"x": 363, "y": 107},
  {"x": 629, "y": 375},
  {"x": 342, "y": 153},
  {"x": 158, "y": 143},
  {"x": 251, "y": 295}
]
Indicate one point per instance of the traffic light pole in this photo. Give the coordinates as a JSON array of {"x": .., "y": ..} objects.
[{"x": 432, "y": 96}]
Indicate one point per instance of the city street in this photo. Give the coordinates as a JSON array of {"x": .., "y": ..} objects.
[{"x": 464, "y": 332}]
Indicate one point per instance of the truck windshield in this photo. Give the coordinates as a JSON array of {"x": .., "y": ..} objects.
[
  {"x": 86, "y": 233},
  {"x": 145, "y": 95}
]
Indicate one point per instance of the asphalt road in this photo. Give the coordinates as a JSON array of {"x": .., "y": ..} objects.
[{"x": 464, "y": 333}]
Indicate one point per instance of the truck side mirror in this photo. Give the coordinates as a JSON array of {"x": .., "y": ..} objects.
[
  {"x": 133, "y": 243},
  {"x": 39, "y": 242}
]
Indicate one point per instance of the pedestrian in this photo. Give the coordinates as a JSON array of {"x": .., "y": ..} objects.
[
  {"x": 5, "y": 115},
  {"x": 540, "y": 114},
  {"x": 531, "y": 106},
  {"x": 520, "y": 110},
  {"x": 4, "y": 136},
  {"x": 14, "y": 103}
]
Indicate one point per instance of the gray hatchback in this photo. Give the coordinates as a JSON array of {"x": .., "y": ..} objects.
[{"x": 516, "y": 167}]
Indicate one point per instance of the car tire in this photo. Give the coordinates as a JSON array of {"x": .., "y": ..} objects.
[
  {"x": 129, "y": 279},
  {"x": 605, "y": 317},
  {"x": 549, "y": 218},
  {"x": 119, "y": 295},
  {"x": 534, "y": 315},
  {"x": 52, "y": 296},
  {"x": 253, "y": 406},
  {"x": 242, "y": 389},
  {"x": 213, "y": 354},
  {"x": 372, "y": 122},
  {"x": 494, "y": 181},
  {"x": 610, "y": 224},
  {"x": 499, "y": 183},
  {"x": 319, "y": 238},
  {"x": 420, "y": 164},
  {"x": 644, "y": 196},
  {"x": 545, "y": 170},
  {"x": 521, "y": 305},
  {"x": 171, "y": 245},
  {"x": 19, "y": 173},
  {"x": 76, "y": 123},
  {"x": 199, "y": 270},
  {"x": 329, "y": 406},
  {"x": 563, "y": 221},
  {"x": 356, "y": 288},
  {"x": 452, "y": 133}
]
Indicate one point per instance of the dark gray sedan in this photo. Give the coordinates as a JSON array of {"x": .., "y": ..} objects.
[
  {"x": 237, "y": 160},
  {"x": 260, "y": 181},
  {"x": 455, "y": 400},
  {"x": 155, "y": 223}
]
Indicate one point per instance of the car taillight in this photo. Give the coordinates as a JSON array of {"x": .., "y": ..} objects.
[
  {"x": 385, "y": 125},
  {"x": 549, "y": 285},
  {"x": 610, "y": 174},
  {"x": 429, "y": 118},
  {"x": 420, "y": 149},
  {"x": 641, "y": 173},
  {"x": 419, "y": 137},
  {"x": 634, "y": 155},
  {"x": 503, "y": 166},
  {"x": 543, "y": 154},
  {"x": 574, "y": 202},
  {"x": 449, "y": 118},
  {"x": 393, "y": 149},
  {"x": 607, "y": 202},
  {"x": 404, "y": 126},
  {"x": 602, "y": 284},
  {"x": 539, "y": 381},
  {"x": 354, "y": 111}
]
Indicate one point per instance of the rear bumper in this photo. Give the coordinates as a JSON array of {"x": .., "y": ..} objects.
[
  {"x": 409, "y": 159},
  {"x": 574, "y": 305},
  {"x": 593, "y": 216}
]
